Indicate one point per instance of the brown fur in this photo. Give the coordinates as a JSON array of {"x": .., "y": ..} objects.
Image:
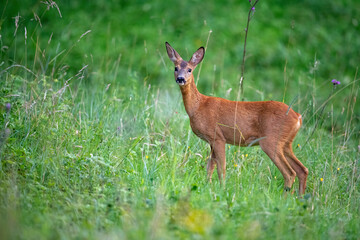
[{"x": 270, "y": 124}]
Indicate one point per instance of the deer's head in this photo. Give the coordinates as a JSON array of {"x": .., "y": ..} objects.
[{"x": 184, "y": 70}]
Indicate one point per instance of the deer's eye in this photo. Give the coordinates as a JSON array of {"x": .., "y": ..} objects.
[
  {"x": 176, "y": 69},
  {"x": 189, "y": 70}
]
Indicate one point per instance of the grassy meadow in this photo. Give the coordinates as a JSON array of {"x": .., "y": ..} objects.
[{"x": 95, "y": 142}]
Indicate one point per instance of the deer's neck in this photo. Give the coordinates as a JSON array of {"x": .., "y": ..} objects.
[{"x": 191, "y": 98}]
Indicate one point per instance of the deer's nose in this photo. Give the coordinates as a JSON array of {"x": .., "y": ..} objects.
[{"x": 180, "y": 80}]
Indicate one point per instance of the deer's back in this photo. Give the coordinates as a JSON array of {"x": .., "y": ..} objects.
[{"x": 241, "y": 123}]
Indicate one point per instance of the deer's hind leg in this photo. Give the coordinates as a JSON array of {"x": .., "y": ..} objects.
[
  {"x": 301, "y": 171},
  {"x": 275, "y": 150}
]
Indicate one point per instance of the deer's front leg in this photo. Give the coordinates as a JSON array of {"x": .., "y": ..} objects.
[
  {"x": 210, "y": 165},
  {"x": 210, "y": 168},
  {"x": 218, "y": 154}
]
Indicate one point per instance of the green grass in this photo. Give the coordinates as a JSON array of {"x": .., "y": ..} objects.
[{"x": 97, "y": 143}]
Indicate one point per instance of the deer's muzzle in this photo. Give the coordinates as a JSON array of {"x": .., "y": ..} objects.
[{"x": 181, "y": 81}]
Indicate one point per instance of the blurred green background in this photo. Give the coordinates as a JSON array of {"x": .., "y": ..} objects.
[{"x": 310, "y": 37}]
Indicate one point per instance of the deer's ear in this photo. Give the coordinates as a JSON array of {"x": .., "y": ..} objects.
[
  {"x": 198, "y": 56},
  {"x": 173, "y": 55}
]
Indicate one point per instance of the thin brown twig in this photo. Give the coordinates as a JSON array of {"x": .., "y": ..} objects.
[{"x": 250, "y": 14}]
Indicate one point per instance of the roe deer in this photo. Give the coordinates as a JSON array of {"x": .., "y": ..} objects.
[{"x": 270, "y": 124}]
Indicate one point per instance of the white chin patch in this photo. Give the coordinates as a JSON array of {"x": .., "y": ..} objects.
[{"x": 181, "y": 83}]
